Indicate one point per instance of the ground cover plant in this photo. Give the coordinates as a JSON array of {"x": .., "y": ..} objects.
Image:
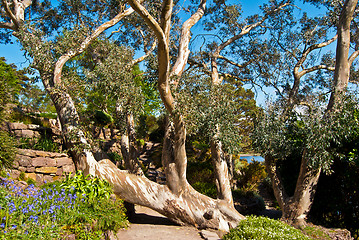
[
  {"x": 56, "y": 210},
  {"x": 259, "y": 228}
]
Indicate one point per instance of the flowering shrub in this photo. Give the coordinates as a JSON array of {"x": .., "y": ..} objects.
[
  {"x": 262, "y": 228},
  {"x": 52, "y": 213}
]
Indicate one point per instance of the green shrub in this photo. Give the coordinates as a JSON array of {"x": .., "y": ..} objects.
[
  {"x": 115, "y": 157},
  {"x": 262, "y": 228},
  {"x": 250, "y": 175},
  {"x": 208, "y": 189},
  {"x": 7, "y": 150},
  {"x": 200, "y": 175},
  {"x": 102, "y": 118},
  {"x": 91, "y": 187},
  {"x": 200, "y": 172}
]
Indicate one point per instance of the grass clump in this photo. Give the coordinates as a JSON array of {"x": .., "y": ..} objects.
[
  {"x": 7, "y": 150},
  {"x": 262, "y": 228},
  {"x": 43, "y": 144},
  {"x": 53, "y": 212}
]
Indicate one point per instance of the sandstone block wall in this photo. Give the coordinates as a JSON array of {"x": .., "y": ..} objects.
[
  {"x": 30, "y": 130},
  {"x": 41, "y": 166}
]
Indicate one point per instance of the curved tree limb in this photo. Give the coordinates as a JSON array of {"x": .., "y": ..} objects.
[
  {"x": 184, "y": 51},
  {"x": 163, "y": 52},
  {"x": 10, "y": 14},
  {"x": 244, "y": 31},
  {"x": 147, "y": 53},
  {"x": 353, "y": 57},
  {"x": 72, "y": 53},
  {"x": 6, "y": 25},
  {"x": 299, "y": 74}
]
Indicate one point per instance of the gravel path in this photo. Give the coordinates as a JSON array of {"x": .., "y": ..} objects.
[{"x": 150, "y": 225}]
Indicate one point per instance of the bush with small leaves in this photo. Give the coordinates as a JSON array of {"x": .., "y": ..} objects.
[{"x": 262, "y": 228}]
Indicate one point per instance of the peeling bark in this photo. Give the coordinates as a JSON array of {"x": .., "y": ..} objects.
[
  {"x": 128, "y": 147},
  {"x": 223, "y": 184},
  {"x": 295, "y": 209},
  {"x": 177, "y": 200},
  {"x": 181, "y": 203},
  {"x": 189, "y": 207}
]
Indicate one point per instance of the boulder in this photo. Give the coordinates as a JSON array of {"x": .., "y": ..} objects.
[
  {"x": 27, "y": 133},
  {"x": 42, "y": 153},
  {"x": 30, "y": 169},
  {"x": 27, "y": 152},
  {"x": 48, "y": 179}
]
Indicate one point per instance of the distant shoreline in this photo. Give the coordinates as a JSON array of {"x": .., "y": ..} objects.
[{"x": 249, "y": 154}]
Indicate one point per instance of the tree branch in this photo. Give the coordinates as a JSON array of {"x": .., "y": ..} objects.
[
  {"x": 244, "y": 31},
  {"x": 6, "y": 25},
  {"x": 10, "y": 14},
  {"x": 163, "y": 54},
  {"x": 298, "y": 75},
  {"x": 309, "y": 50},
  {"x": 315, "y": 68},
  {"x": 184, "y": 51},
  {"x": 234, "y": 63},
  {"x": 165, "y": 19},
  {"x": 72, "y": 53},
  {"x": 353, "y": 57},
  {"x": 147, "y": 53}
]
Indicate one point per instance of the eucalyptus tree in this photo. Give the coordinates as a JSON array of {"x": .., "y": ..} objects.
[
  {"x": 299, "y": 126},
  {"x": 204, "y": 211},
  {"x": 103, "y": 83},
  {"x": 223, "y": 60},
  {"x": 81, "y": 24}
]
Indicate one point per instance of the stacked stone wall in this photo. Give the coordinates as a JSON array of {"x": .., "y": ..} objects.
[
  {"x": 21, "y": 130},
  {"x": 41, "y": 166}
]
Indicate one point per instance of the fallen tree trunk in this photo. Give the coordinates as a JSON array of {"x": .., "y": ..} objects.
[{"x": 189, "y": 207}]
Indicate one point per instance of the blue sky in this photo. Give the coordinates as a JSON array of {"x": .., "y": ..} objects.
[{"x": 13, "y": 53}]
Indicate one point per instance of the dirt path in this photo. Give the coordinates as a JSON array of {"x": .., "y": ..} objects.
[{"x": 150, "y": 225}]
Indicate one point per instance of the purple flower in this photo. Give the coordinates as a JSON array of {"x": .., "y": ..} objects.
[
  {"x": 35, "y": 219},
  {"x": 25, "y": 210},
  {"x": 2, "y": 225},
  {"x": 51, "y": 210}
]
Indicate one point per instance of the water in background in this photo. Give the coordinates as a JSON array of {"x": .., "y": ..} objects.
[{"x": 249, "y": 158}]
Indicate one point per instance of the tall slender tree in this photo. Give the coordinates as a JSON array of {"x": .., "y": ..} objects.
[{"x": 306, "y": 134}]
